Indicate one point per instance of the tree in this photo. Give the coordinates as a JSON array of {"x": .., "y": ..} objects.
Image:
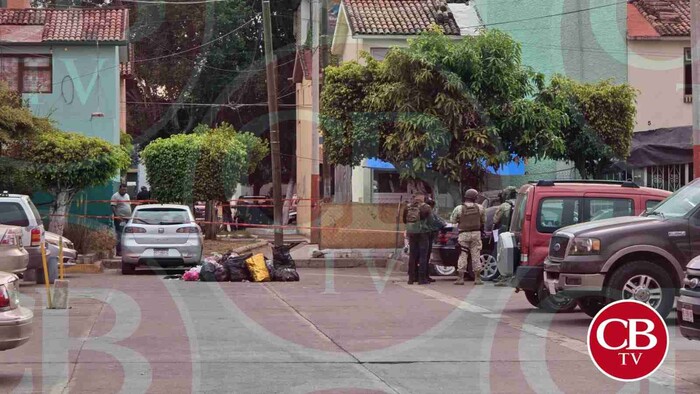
[
  {"x": 204, "y": 166},
  {"x": 440, "y": 108},
  {"x": 64, "y": 163},
  {"x": 601, "y": 122}
]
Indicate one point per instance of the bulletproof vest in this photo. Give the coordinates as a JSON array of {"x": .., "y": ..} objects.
[
  {"x": 470, "y": 219},
  {"x": 504, "y": 224}
]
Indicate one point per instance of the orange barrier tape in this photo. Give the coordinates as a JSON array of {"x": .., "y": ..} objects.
[{"x": 251, "y": 225}]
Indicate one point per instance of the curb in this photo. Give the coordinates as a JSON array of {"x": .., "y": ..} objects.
[{"x": 94, "y": 268}]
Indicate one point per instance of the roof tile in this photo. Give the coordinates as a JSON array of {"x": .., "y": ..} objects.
[
  {"x": 108, "y": 24},
  {"x": 667, "y": 17},
  {"x": 399, "y": 16}
]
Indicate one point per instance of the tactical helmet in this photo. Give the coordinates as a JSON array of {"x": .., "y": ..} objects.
[{"x": 471, "y": 195}]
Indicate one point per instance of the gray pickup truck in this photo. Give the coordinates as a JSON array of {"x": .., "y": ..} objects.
[{"x": 640, "y": 258}]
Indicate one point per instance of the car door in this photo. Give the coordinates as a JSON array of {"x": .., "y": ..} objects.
[{"x": 552, "y": 213}]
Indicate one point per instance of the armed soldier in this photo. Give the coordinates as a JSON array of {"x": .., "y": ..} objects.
[
  {"x": 501, "y": 221},
  {"x": 470, "y": 218}
]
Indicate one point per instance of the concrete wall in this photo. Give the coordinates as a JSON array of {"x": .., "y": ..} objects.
[{"x": 656, "y": 69}]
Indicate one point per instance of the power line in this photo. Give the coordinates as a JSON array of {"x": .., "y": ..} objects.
[{"x": 190, "y": 2}]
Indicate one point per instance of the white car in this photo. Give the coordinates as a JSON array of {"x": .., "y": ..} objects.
[
  {"x": 165, "y": 235},
  {"x": 18, "y": 210}
]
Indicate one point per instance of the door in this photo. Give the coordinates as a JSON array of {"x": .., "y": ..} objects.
[{"x": 552, "y": 213}]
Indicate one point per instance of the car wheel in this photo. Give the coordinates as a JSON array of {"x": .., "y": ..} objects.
[
  {"x": 444, "y": 270},
  {"x": 591, "y": 305},
  {"x": 128, "y": 269},
  {"x": 552, "y": 303},
  {"x": 645, "y": 282},
  {"x": 489, "y": 267}
]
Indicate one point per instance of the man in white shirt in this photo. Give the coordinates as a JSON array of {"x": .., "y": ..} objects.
[{"x": 121, "y": 212}]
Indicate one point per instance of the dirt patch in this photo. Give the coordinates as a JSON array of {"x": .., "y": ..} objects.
[{"x": 225, "y": 245}]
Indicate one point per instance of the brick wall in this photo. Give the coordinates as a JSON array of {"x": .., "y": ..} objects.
[{"x": 338, "y": 221}]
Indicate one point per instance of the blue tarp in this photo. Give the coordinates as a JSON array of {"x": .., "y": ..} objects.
[{"x": 379, "y": 165}]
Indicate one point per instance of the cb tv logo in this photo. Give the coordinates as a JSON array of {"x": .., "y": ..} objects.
[{"x": 628, "y": 340}]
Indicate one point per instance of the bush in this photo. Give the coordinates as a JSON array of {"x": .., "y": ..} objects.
[{"x": 90, "y": 240}]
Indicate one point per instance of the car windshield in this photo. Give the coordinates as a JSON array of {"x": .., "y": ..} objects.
[
  {"x": 679, "y": 203},
  {"x": 161, "y": 216},
  {"x": 516, "y": 223}
]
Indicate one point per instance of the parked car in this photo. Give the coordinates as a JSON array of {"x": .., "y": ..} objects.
[
  {"x": 161, "y": 234},
  {"x": 13, "y": 257},
  {"x": 446, "y": 250},
  {"x": 252, "y": 210},
  {"x": 18, "y": 210},
  {"x": 69, "y": 252},
  {"x": 544, "y": 207},
  {"x": 688, "y": 304},
  {"x": 639, "y": 258},
  {"x": 15, "y": 320}
]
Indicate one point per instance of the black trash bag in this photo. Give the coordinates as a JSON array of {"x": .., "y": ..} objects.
[
  {"x": 270, "y": 265},
  {"x": 222, "y": 274},
  {"x": 207, "y": 272},
  {"x": 285, "y": 275},
  {"x": 237, "y": 269},
  {"x": 282, "y": 258}
]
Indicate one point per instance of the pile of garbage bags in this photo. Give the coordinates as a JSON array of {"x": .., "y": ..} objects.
[{"x": 232, "y": 267}]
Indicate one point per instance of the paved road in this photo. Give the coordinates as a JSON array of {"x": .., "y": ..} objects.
[{"x": 352, "y": 330}]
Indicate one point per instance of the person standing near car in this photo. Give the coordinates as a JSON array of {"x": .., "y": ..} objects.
[
  {"x": 470, "y": 218},
  {"x": 144, "y": 194},
  {"x": 121, "y": 211},
  {"x": 436, "y": 224},
  {"x": 416, "y": 216},
  {"x": 501, "y": 222}
]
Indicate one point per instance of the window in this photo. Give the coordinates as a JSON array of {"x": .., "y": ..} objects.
[
  {"x": 12, "y": 213},
  {"x": 389, "y": 182},
  {"x": 161, "y": 216},
  {"x": 606, "y": 208},
  {"x": 651, "y": 204},
  {"x": 688, "y": 70},
  {"x": 27, "y": 73},
  {"x": 379, "y": 53},
  {"x": 556, "y": 213}
]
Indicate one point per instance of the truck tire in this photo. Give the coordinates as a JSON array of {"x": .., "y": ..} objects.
[
  {"x": 591, "y": 305},
  {"x": 550, "y": 303},
  {"x": 643, "y": 281}
]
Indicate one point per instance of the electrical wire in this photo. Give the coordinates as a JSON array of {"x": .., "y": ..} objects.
[{"x": 186, "y": 2}]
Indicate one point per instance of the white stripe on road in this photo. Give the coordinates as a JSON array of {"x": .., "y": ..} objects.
[{"x": 664, "y": 376}]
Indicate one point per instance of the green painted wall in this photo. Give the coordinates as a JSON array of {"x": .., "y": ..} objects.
[
  {"x": 587, "y": 43},
  {"x": 78, "y": 91}
]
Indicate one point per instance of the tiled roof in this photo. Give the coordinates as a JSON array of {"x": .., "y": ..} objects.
[
  {"x": 405, "y": 17},
  {"x": 667, "y": 17},
  {"x": 71, "y": 24}
]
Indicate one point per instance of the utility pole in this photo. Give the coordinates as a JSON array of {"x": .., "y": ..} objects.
[
  {"x": 327, "y": 177},
  {"x": 695, "y": 57},
  {"x": 274, "y": 124},
  {"x": 315, "y": 109}
]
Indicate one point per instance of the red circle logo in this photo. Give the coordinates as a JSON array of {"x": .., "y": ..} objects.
[{"x": 628, "y": 340}]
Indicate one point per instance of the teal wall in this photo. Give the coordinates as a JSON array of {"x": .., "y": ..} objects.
[
  {"x": 588, "y": 46},
  {"x": 78, "y": 91}
]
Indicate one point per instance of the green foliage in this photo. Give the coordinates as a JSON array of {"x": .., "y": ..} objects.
[
  {"x": 69, "y": 162},
  {"x": 126, "y": 142},
  {"x": 439, "y": 106},
  {"x": 203, "y": 166},
  {"x": 601, "y": 122}
]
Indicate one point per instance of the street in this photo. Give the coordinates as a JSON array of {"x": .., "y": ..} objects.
[{"x": 344, "y": 330}]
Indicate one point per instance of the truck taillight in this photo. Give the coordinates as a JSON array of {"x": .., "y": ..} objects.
[
  {"x": 36, "y": 237},
  {"x": 134, "y": 230},
  {"x": 188, "y": 230}
]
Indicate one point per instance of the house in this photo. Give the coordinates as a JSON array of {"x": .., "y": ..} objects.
[
  {"x": 660, "y": 68},
  {"x": 373, "y": 26},
  {"x": 69, "y": 64}
]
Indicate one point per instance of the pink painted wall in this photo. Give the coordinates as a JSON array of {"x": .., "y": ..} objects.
[{"x": 655, "y": 68}]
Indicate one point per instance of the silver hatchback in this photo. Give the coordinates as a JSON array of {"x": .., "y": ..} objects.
[{"x": 162, "y": 235}]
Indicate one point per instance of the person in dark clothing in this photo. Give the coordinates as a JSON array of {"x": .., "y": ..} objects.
[
  {"x": 416, "y": 216},
  {"x": 144, "y": 194},
  {"x": 436, "y": 224}
]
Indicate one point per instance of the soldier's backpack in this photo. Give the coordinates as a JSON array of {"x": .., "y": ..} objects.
[
  {"x": 413, "y": 212},
  {"x": 470, "y": 219}
]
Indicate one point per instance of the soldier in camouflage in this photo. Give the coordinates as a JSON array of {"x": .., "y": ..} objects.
[
  {"x": 501, "y": 222},
  {"x": 470, "y": 218}
]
